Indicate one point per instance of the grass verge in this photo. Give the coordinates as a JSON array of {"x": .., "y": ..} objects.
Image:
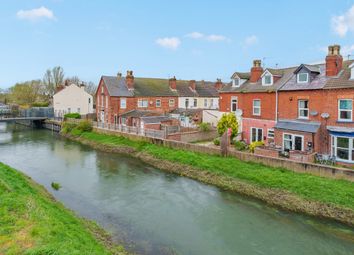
[
  {"x": 329, "y": 196},
  {"x": 32, "y": 222}
]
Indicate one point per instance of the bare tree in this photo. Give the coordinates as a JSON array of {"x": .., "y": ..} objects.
[
  {"x": 58, "y": 75},
  {"x": 91, "y": 87},
  {"x": 74, "y": 80},
  {"x": 52, "y": 79}
]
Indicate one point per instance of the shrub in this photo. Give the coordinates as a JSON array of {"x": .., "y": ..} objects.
[
  {"x": 56, "y": 185},
  {"x": 216, "y": 141},
  {"x": 240, "y": 146},
  {"x": 73, "y": 115},
  {"x": 204, "y": 127},
  {"x": 228, "y": 121},
  {"x": 40, "y": 104},
  {"x": 254, "y": 145},
  {"x": 84, "y": 126},
  {"x": 67, "y": 127}
]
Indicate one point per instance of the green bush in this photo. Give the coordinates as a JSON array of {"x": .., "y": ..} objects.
[
  {"x": 40, "y": 104},
  {"x": 67, "y": 127},
  {"x": 56, "y": 185},
  {"x": 254, "y": 145},
  {"x": 85, "y": 126},
  {"x": 73, "y": 115},
  {"x": 228, "y": 121},
  {"x": 240, "y": 146},
  {"x": 216, "y": 141},
  {"x": 204, "y": 127}
]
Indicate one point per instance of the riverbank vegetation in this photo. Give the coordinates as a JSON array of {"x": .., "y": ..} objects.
[
  {"x": 323, "y": 196},
  {"x": 32, "y": 222}
]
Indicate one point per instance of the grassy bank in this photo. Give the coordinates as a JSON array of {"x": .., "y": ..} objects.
[
  {"x": 32, "y": 222},
  {"x": 294, "y": 191}
]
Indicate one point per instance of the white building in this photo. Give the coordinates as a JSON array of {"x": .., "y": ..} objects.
[{"x": 72, "y": 99}]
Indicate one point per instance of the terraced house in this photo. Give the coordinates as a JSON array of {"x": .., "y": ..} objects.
[
  {"x": 128, "y": 100},
  {"x": 297, "y": 111}
]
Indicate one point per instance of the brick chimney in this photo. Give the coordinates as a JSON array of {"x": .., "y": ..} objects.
[
  {"x": 119, "y": 75},
  {"x": 173, "y": 83},
  {"x": 129, "y": 79},
  {"x": 256, "y": 71},
  {"x": 192, "y": 84},
  {"x": 218, "y": 84},
  {"x": 334, "y": 61}
]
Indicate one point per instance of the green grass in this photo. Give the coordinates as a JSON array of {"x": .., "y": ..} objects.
[
  {"x": 311, "y": 187},
  {"x": 33, "y": 223}
]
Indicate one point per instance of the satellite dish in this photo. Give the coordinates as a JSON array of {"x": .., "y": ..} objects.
[
  {"x": 313, "y": 113},
  {"x": 238, "y": 112},
  {"x": 325, "y": 115}
]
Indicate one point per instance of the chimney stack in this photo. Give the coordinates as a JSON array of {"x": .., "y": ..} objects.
[
  {"x": 218, "y": 84},
  {"x": 256, "y": 71},
  {"x": 173, "y": 83},
  {"x": 192, "y": 84},
  {"x": 130, "y": 80},
  {"x": 119, "y": 75},
  {"x": 334, "y": 61}
]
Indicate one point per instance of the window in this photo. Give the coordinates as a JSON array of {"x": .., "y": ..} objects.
[
  {"x": 270, "y": 133},
  {"x": 106, "y": 101},
  {"x": 345, "y": 109},
  {"x": 267, "y": 80},
  {"x": 102, "y": 101},
  {"x": 205, "y": 103},
  {"x": 102, "y": 90},
  {"x": 302, "y": 77},
  {"x": 233, "y": 104},
  {"x": 89, "y": 100},
  {"x": 303, "y": 109},
  {"x": 69, "y": 110},
  {"x": 143, "y": 103},
  {"x": 211, "y": 102},
  {"x": 257, "y": 107},
  {"x": 123, "y": 121},
  {"x": 343, "y": 148},
  {"x": 186, "y": 102},
  {"x": 293, "y": 142},
  {"x": 236, "y": 82},
  {"x": 158, "y": 102},
  {"x": 256, "y": 134},
  {"x": 171, "y": 103},
  {"x": 195, "y": 102},
  {"x": 123, "y": 103},
  {"x": 78, "y": 110}
]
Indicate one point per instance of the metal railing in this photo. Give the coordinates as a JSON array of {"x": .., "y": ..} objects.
[{"x": 131, "y": 130}]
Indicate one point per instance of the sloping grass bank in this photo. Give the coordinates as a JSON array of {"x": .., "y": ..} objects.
[
  {"x": 299, "y": 192},
  {"x": 32, "y": 222}
]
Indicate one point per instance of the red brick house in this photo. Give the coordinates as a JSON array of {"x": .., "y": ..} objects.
[
  {"x": 252, "y": 96},
  {"x": 117, "y": 95}
]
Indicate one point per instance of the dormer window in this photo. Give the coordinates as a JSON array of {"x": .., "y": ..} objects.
[
  {"x": 351, "y": 67},
  {"x": 236, "y": 82},
  {"x": 267, "y": 80},
  {"x": 302, "y": 78}
]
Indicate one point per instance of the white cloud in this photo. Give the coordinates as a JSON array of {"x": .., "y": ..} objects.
[
  {"x": 169, "y": 42},
  {"x": 343, "y": 23},
  {"x": 35, "y": 14},
  {"x": 251, "y": 40},
  {"x": 195, "y": 35},
  {"x": 210, "y": 38}
]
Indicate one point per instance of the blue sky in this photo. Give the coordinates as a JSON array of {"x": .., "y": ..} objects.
[{"x": 188, "y": 39}]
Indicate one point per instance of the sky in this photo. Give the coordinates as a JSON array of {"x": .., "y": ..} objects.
[{"x": 187, "y": 39}]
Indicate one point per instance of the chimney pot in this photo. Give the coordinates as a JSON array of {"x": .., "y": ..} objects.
[
  {"x": 130, "y": 80},
  {"x": 334, "y": 61},
  {"x": 256, "y": 71},
  {"x": 218, "y": 84}
]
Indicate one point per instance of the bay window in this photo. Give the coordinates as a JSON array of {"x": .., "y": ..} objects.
[{"x": 343, "y": 148}]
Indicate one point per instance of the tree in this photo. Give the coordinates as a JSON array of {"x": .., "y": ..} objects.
[
  {"x": 52, "y": 79},
  {"x": 228, "y": 121},
  {"x": 58, "y": 75},
  {"x": 91, "y": 88},
  {"x": 26, "y": 93}
]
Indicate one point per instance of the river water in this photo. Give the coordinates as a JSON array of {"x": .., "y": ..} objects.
[{"x": 154, "y": 212}]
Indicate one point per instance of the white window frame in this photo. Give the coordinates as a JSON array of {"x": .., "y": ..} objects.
[
  {"x": 339, "y": 110},
  {"x": 205, "y": 103},
  {"x": 256, "y": 107},
  {"x": 293, "y": 141},
  {"x": 299, "y": 109},
  {"x": 270, "y": 130},
  {"x": 232, "y": 103},
  {"x": 251, "y": 135},
  {"x": 102, "y": 100},
  {"x": 158, "y": 104},
  {"x": 123, "y": 103},
  {"x": 334, "y": 148},
  {"x": 186, "y": 103},
  {"x": 298, "y": 76},
  {"x": 195, "y": 102},
  {"x": 236, "y": 84},
  {"x": 141, "y": 103},
  {"x": 171, "y": 102},
  {"x": 264, "y": 83}
]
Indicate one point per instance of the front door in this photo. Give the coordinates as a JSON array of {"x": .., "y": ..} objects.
[
  {"x": 256, "y": 134},
  {"x": 298, "y": 143}
]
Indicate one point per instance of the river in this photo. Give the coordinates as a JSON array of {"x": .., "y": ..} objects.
[{"x": 158, "y": 213}]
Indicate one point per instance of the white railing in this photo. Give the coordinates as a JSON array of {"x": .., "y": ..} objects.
[{"x": 131, "y": 130}]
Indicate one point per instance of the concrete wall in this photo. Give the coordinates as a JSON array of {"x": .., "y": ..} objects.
[{"x": 315, "y": 169}]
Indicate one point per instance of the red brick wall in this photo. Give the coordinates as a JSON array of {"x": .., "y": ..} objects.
[
  {"x": 308, "y": 137},
  {"x": 247, "y": 124}
]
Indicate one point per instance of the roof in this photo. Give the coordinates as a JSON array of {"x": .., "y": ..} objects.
[
  {"x": 116, "y": 86},
  {"x": 311, "y": 68},
  {"x": 187, "y": 112},
  {"x": 303, "y": 126},
  {"x": 340, "y": 129},
  {"x": 343, "y": 79},
  {"x": 240, "y": 75},
  {"x": 248, "y": 87},
  {"x": 317, "y": 82},
  {"x": 139, "y": 113},
  {"x": 155, "y": 119},
  {"x": 202, "y": 89}
]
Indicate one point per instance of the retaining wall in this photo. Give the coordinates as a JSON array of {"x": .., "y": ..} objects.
[{"x": 315, "y": 169}]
